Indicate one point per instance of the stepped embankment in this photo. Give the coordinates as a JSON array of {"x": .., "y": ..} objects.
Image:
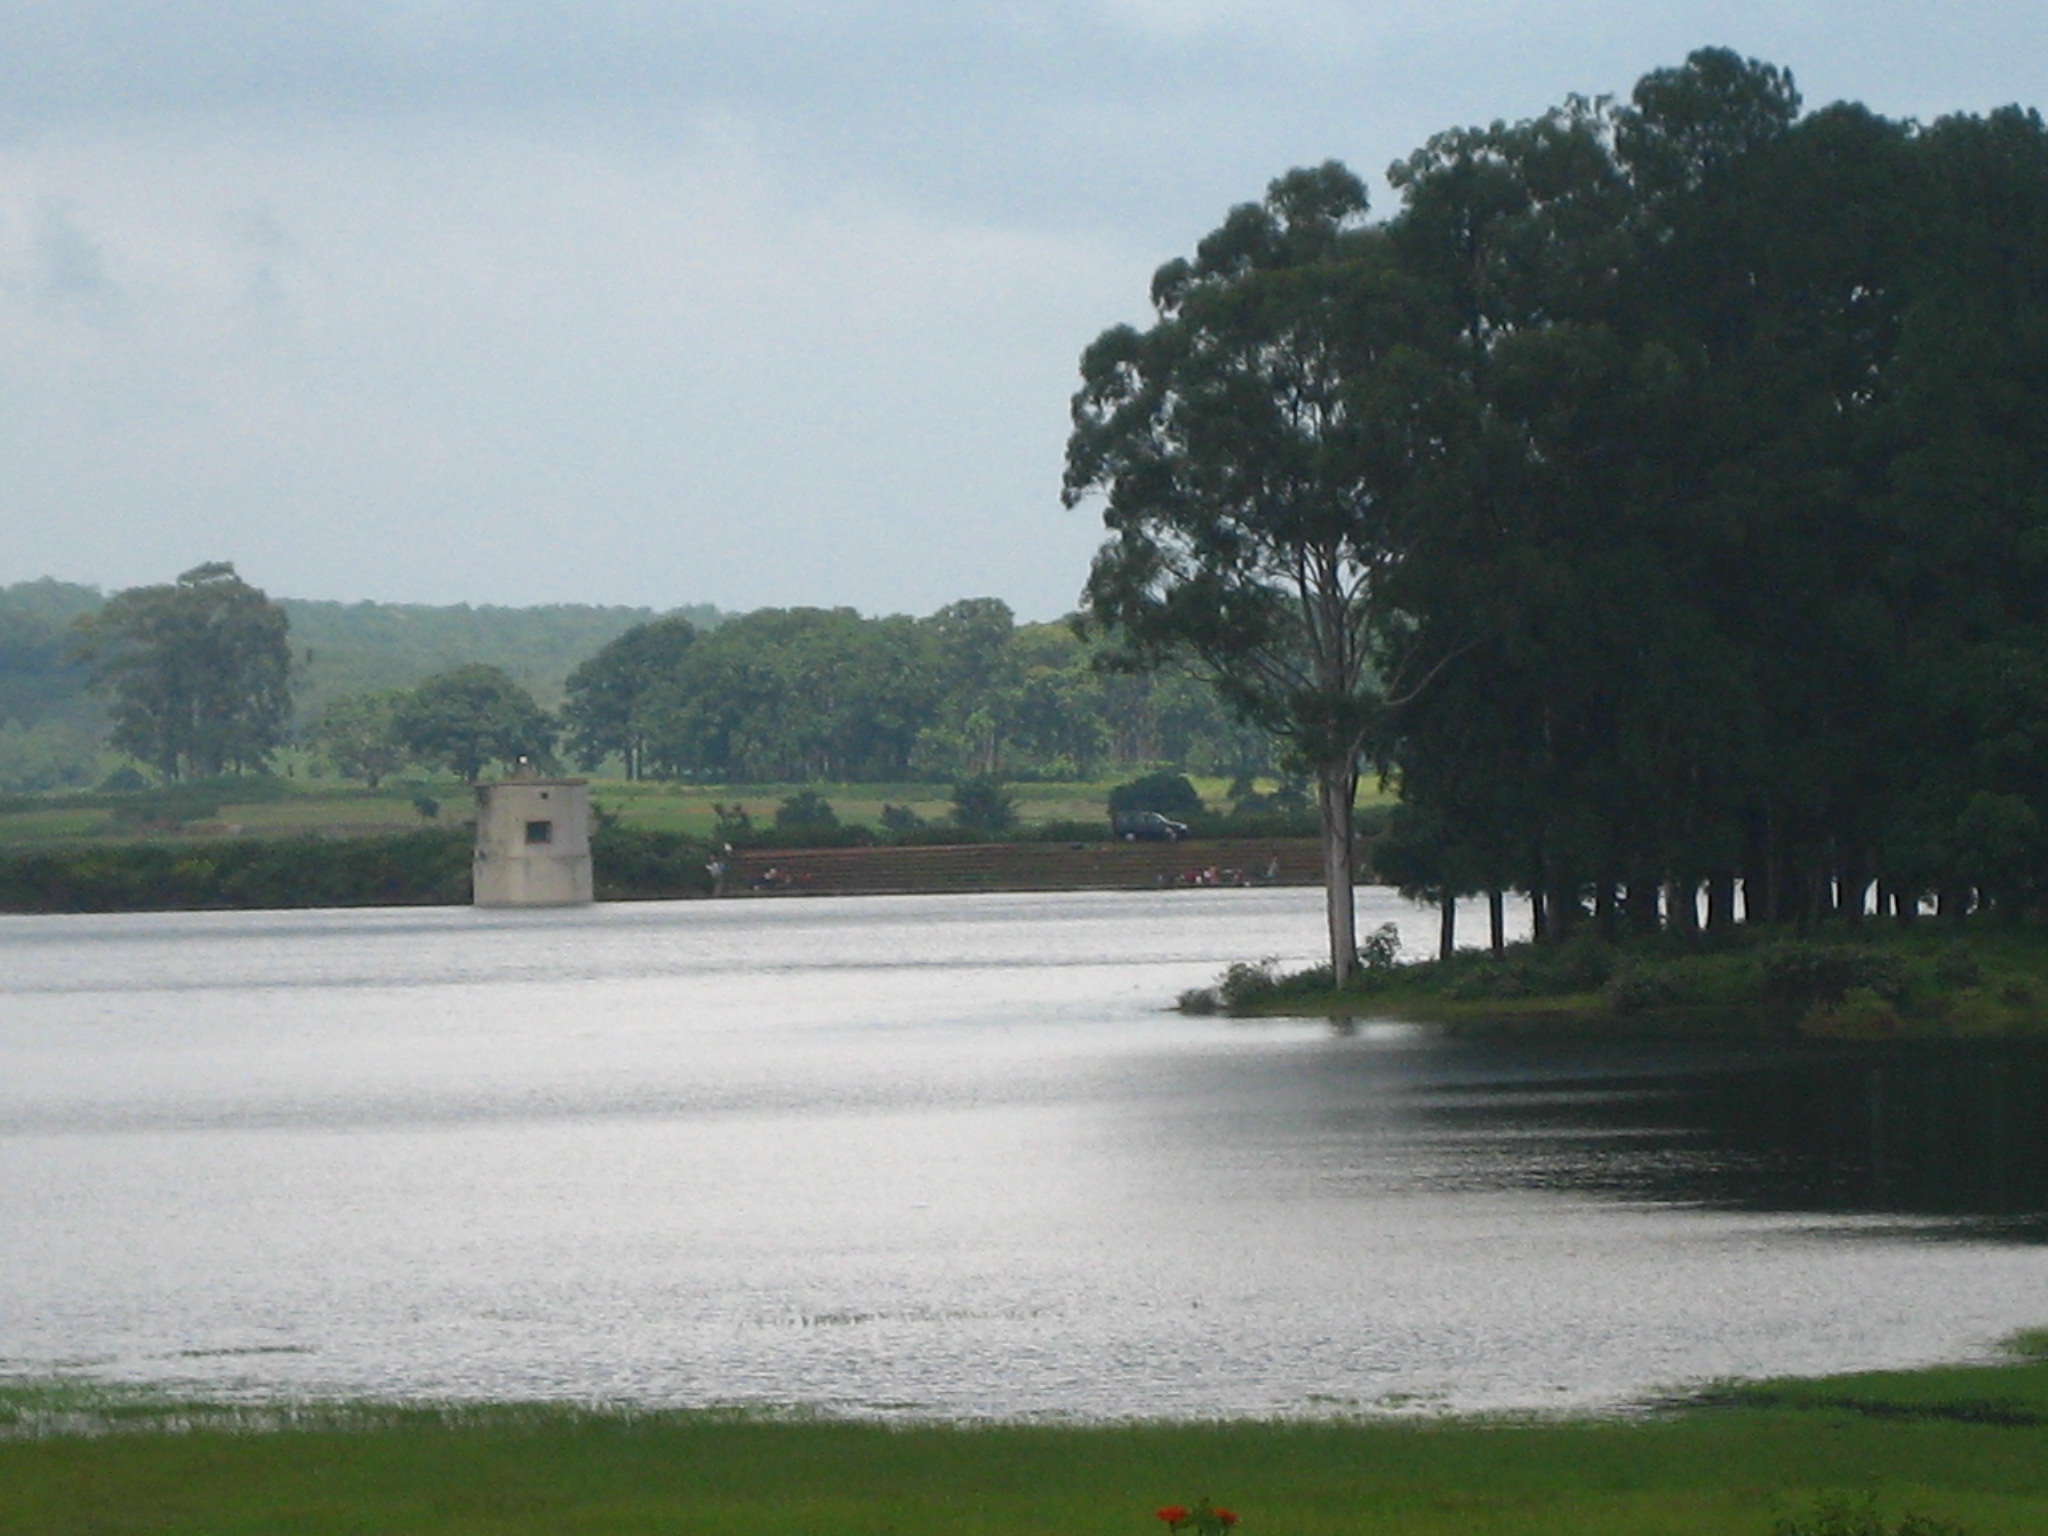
[{"x": 1104, "y": 866}]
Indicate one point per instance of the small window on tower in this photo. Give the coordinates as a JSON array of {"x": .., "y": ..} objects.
[{"x": 540, "y": 831}]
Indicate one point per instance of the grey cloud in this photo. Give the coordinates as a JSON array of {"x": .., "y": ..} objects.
[
  {"x": 68, "y": 266},
  {"x": 1053, "y": 111}
]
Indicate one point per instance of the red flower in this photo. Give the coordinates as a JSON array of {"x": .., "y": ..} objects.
[
  {"x": 1173, "y": 1514},
  {"x": 1226, "y": 1517}
]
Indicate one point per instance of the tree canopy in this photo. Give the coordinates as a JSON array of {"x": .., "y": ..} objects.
[
  {"x": 1659, "y": 497},
  {"x": 198, "y": 672},
  {"x": 1268, "y": 453},
  {"x": 471, "y": 717}
]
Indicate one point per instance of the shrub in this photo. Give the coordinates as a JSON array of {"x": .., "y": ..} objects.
[
  {"x": 805, "y": 811},
  {"x": 1634, "y": 988},
  {"x": 1957, "y": 967},
  {"x": 1812, "y": 974},
  {"x": 1582, "y": 963},
  {"x": 409, "y": 868},
  {"x": 1492, "y": 979},
  {"x": 899, "y": 819},
  {"x": 1845, "y": 1517},
  {"x": 1170, "y": 794},
  {"x": 630, "y": 863},
  {"x": 1861, "y": 1014},
  {"x": 981, "y": 804},
  {"x": 1245, "y": 985},
  {"x": 1381, "y": 949}
]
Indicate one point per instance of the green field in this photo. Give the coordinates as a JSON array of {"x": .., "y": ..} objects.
[
  {"x": 1966, "y": 1446},
  {"x": 288, "y": 807}
]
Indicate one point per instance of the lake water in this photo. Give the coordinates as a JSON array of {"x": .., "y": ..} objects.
[{"x": 945, "y": 1156}]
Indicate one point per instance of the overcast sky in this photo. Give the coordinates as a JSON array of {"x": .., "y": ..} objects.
[{"x": 747, "y": 302}]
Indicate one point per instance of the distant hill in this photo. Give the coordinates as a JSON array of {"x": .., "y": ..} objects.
[
  {"x": 355, "y": 647},
  {"x": 49, "y": 725}
]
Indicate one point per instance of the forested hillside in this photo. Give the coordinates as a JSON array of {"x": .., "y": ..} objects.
[
  {"x": 775, "y": 696},
  {"x": 347, "y": 648},
  {"x": 51, "y": 725}
]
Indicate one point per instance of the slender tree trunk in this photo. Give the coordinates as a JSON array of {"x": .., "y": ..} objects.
[
  {"x": 1336, "y": 786},
  {"x": 1642, "y": 906},
  {"x": 1562, "y": 906},
  {"x": 1603, "y": 909},
  {"x": 1720, "y": 902},
  {"x": 1539, "y": 916},
  {"x": 1447, "y": 927},
  {"x": 1755, "y": 874},
  {"x": 1496, "y": 923},
  {"x": 1682, "y": 907},
  {"x": 1905, "y": 905}
]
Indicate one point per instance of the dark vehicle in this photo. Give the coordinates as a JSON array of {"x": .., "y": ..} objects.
[{"x": 1148, "y": 827}]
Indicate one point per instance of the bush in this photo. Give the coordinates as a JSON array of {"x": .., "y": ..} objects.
[
  {"x": 1170, "y": 794},
  {"x": 1242, "y": 822},
  {"x": 1246, "y": 985},
  {"x": 1491, "y": 978},
  {"x": 409, "y": 868},
  {"x": 898, "y": 819},
  {"x": 981, "y": 804},
  {"x": 629, "y": 863},
  {"x": 1862, "y": 1014},
  {"x": 1957, "y": 967},
  {"x": 1816, "y": 974},
  {"x": 1582, "y": 963},
  {"x": 1381, "y": 950},
  {"x": 1635, "y": 988},
  {"x": 806, "y": 811},
  {"x": 1845, "y": 1517}
]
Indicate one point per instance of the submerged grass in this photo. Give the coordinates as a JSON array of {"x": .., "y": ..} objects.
[{"x": 1958, "y": 1449}]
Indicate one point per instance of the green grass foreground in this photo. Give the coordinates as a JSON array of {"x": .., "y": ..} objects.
[{"x": 1966, "y": 1447}]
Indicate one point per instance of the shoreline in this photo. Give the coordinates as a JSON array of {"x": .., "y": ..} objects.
[
  {"x": 1951, "y": 1450},
  {"x": 1867, "y": 982}
]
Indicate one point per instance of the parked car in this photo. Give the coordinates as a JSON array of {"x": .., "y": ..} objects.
[{"x": 1148, "y": 827}]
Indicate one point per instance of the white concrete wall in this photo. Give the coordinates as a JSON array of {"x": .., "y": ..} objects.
[{"x": 512, "y": 867}]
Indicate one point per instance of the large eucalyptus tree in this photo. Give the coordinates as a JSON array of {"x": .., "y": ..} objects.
[{"x": 1270, "y": 454}]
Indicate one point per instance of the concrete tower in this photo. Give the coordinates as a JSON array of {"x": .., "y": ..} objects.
[{"x": 533, "y": 841}]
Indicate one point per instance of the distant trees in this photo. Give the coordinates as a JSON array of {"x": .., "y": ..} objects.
[
  {"x": 50, "y": 724},
  {"x": 805, "y": 695},
  {"x": 470, "y": 717},
  {"x": 197, "y": 672},
  {"x": 358, "y": 734},
  {"x": 813, "y": 694},
  {"x": 612, "y": 704}
]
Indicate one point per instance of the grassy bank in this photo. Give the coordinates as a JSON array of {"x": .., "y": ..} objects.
[
  {"x": 1873, "y": 981},
  {"x": 1963, "y": 1446},
  {"x": 265, "y": 806}
]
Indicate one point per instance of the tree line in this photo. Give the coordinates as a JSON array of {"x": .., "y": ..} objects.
[
  {"x": 198, "y": 676},
  {"x": 53, "y": 723},
  {"x": 811, "y": 695},
  {"x": 1659, "y": 497}
]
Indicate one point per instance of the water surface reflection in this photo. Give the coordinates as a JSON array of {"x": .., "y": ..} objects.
[{"x": 945, "y": 1156}]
